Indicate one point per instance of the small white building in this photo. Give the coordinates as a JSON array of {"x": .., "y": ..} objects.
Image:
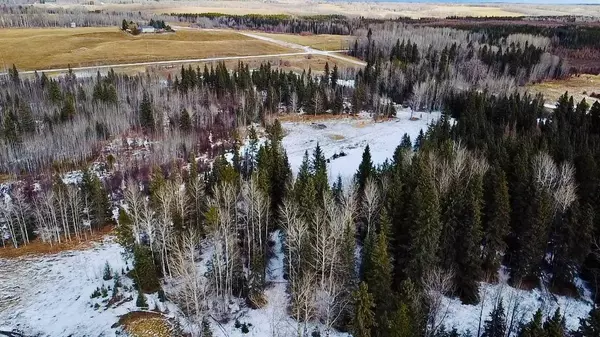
[
  {"x": 147, "y": 29},
  {"x": 73, "y": 25}
]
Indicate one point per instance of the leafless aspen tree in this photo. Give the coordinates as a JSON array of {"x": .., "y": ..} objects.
[
  {"x": 190, "y": 291},
  {"x": 436, "y": 284},
  {"x": 370, "y": 206}
]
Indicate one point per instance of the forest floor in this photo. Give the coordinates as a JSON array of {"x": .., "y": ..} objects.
[
  {"x": 580, "y": 87},
  {"x": 46, "y": 48}
]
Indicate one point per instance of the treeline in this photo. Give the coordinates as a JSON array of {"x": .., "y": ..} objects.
[
  {"x": 316, "y": 24},
  {"x": 27, "y": 16},
  {"x": 63, "y": 121},
  {"x": 267, "y": 90},
  {"x": 567, "y": 36},
  {"x": 420, "y": 66}
]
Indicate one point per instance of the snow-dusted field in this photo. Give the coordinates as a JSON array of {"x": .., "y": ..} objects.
[
  {"x": 351, "y": 136},
  {"x": 50, "y": 295}
]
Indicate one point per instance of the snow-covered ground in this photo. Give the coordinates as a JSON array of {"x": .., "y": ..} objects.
[
  {"x": 351, "y": 136},
  {"x": 50, "y": 295},
  {"x": 273, "y": 319},
  {"x": 522, "y": 303}
]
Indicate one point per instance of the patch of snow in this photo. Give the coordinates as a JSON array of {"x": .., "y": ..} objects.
[
  {"x": 346, "y": 83},
  {"x": 524, "y": 303},
  {"x": 50, "y": 295},
  {"x": 351, "y": 136}
]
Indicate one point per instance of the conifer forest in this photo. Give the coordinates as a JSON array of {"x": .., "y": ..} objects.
[{"x": 191, "y": 178}]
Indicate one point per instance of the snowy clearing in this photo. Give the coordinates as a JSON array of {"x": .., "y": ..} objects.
[
  {"x": 50, "y": 295},
  {"x": 351, "y": 136}
]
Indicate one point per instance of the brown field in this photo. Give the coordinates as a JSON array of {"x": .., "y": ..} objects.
[
  {"x": 321, "y": 42},
  {"x": 37, "y": 247},
  {"x": 31, "y": 49},
  {"x": 576, "y": 86},
  {"x": 145, "y": 323}
]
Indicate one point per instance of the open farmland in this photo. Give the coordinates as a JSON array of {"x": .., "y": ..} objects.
[
  {"x": 579, "y": 87},
  {"x": 321, "y": 41},
  {"x": 294, "y": 63},
  {"x": 31, "y": 49},
  {"x": 386, "y": 9}
]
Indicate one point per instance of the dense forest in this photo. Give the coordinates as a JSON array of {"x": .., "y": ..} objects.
[{"x": 193, "y": 167}]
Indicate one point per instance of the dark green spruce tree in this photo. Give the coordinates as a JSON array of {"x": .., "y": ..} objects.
[
  {"x": 495, "y": 325},
  {"x": 496, "y": 220},
  {"x": 146, "y": 114}
]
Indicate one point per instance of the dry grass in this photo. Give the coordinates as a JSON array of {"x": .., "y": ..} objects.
[
  {"x": 296, "y": 64},
  {"x": 145, "y": 324},
  {"x": 312, "y": 118},
  {"x": 336, "y": 137},
  {"x": 37, "y": 247},
  {"x": 31, "y": 49},
  {"x": 322, "y": 41},
  {"x": 576, "y": 86}
]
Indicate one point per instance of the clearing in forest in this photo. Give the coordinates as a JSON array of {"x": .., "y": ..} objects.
[
  {"x": 580, "y": 87},
  {"x": 47, "y": 48}
]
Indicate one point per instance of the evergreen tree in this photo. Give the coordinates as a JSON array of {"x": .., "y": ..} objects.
[
  {"x": 67, "y": 111},
  {"x": 124, "y": 230},
  {"x": 468, "y": 251},
  {"x": 402, "y": 323},
  {"x": 555, "y": 326},
  {"x": 14, "y": 74},
  {"x": 423, "y": 221},
  {"x": 146, "y": 114},
  {"x": 534, "y": 328},
  {"x": 141, "y": 300},
  {"x": 334, "y": 76},
  {"x": 364, "y": 317},
  {"x": 319, "y": 169},
  {"x": 107, "y": 274},
  {"x": 496, "y": 220},
  {"x": 26, "y": 120},
  {"x": 495, "y": 325},
  {"x": 378, "y": 277},
  {"x": 589, "y": 326},
  {"x": 185, "y": 122},
  {"x": 365, "y": 170},
  {"x": 570, "y": 244},
  {"x": 144, "y": 270},
  {"x": 54, "y": 92}
]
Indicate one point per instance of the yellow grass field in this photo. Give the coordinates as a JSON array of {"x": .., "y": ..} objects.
[
  {"x": 321, "y": 42},
  {"x": 576, "y": 86},
  {"x": 37, "y": 49}
]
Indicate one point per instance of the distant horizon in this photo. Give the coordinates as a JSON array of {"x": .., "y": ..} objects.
[{"x": 474, "y": 2}]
